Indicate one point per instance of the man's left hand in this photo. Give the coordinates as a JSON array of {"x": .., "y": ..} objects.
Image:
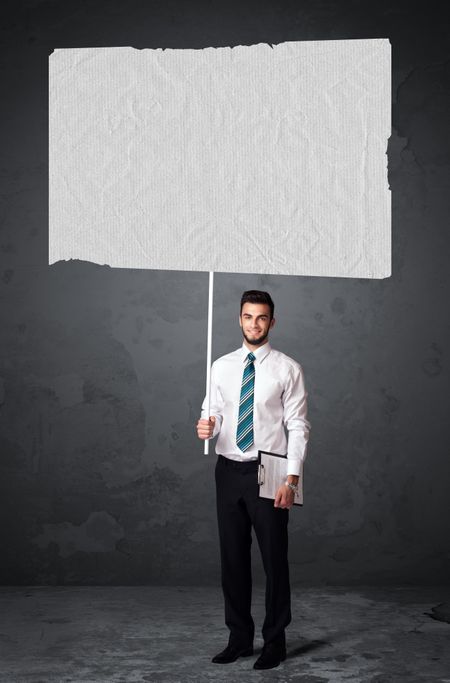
[{"x": 284, "y": 497}]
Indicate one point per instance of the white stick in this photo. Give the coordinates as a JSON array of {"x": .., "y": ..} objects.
[{"x": 208, "y": 353}]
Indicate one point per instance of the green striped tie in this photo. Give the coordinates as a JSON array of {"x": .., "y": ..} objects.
[{"x": 244, "y": 434}]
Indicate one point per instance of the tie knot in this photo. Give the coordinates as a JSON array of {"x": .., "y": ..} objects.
[{"x": 251, "y": 357}]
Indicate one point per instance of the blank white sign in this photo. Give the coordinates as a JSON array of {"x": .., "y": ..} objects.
[{"x": 251, "y": 159}]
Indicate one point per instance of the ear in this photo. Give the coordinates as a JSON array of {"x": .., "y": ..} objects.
[
  {"x": 240, "y": 321},
  {"x": 272, "y": 323}
]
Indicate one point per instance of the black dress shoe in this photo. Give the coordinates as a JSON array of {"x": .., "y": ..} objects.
[
  {"x": 272, "y": 654},
  {"x": 231, "y": 653}
]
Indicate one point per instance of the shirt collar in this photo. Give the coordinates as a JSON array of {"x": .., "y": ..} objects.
[{"x": 260, "y": 353}]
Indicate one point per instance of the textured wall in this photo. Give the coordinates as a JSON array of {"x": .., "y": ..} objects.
[{"x": 102, "y": 371}]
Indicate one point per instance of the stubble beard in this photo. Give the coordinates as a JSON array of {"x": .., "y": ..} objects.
[{"x": 258, "y": 340}]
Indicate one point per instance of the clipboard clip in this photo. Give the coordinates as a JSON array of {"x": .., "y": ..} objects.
[{"x": 260, "y": 474}]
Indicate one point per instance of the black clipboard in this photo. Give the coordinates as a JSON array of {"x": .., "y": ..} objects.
[{"x": 272, "y": 473}]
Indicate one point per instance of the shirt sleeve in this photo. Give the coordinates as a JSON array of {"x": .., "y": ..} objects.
[
  {"x": 215, "y": 403},
  {"x": 294, "y": 418}
]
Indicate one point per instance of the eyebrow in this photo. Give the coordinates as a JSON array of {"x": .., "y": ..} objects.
[{"x": 263, "y": 315}]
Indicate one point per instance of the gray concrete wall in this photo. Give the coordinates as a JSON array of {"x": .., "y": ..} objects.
[{"x": 102, "y": 371}]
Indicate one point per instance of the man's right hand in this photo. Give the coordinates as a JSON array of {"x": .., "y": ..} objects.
[{"x": 205, "y": 428}]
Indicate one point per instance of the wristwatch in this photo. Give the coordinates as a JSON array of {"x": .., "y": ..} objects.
[{"x": 293, "y": 487}]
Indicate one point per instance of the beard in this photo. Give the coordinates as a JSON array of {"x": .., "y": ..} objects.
[{"x": 257, "y": 340}]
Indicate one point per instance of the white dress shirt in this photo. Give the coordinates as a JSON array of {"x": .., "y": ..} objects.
[{"x": 279, "y": 403}]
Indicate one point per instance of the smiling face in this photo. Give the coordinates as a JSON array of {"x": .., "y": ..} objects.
[{"x": 255, "y": 323}]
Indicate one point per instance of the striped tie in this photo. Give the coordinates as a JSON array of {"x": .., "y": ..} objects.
[{"x": 244, "y": 434}]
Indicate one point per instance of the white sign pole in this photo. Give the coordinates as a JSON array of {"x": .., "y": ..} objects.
[{"x": 208, "y": 352}]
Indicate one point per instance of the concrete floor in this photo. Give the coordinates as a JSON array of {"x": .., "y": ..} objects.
[{"x": 162, "y": 634}]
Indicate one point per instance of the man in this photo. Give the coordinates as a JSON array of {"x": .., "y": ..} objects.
[{"x": 256, "y": 392}]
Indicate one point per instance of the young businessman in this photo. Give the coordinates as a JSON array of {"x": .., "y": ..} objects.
[{"x": 256, "y": 392}]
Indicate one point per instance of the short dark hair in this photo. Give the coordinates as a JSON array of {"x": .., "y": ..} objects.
[{"x": 254, "y": 296}]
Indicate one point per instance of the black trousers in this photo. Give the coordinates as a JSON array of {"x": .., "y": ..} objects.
[{"x": 238, "y": 509}]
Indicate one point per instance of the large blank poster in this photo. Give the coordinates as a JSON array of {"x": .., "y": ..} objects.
[{"x": 251, "y": 159}]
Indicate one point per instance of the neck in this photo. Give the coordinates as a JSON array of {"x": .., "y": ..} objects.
[{"x": 254, "y": 347}]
